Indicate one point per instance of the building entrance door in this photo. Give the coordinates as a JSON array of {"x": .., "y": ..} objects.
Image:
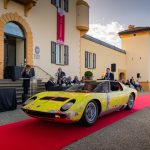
[
  {"x": 10, "y": 52},
  {"x": 14, "y": 49}
]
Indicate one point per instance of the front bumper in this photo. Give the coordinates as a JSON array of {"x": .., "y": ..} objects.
[{"x": 55, "y": 116}]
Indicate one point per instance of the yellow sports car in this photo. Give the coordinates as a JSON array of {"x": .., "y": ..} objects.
[{"x": 83, "y": 102}]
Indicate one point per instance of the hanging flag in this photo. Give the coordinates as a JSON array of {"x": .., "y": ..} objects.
[{"x": 60, "y": 25}]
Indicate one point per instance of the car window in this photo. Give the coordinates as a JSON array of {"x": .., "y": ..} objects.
[
  {"x": 86, "y": 87},
  {"x": 102, "y": 87},
  {"x": 115, "y": 86},
  {"x": 75, "y": 88}
]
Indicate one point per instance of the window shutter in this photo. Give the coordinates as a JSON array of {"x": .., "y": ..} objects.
[
  {"x": 94, "y": 60},
  {"x": 66, "y": 5},
  {"x": 89, "y": 60},
  {"x": 86, "y": 59},
  {"x": 59, "y": 54},
  {"x": 59, "y": 6},
  {"x": 53, "y": 2},
  {"x": 53, "y": 52},
  {"x": 66, "y": 55},
  {"x": 57, "y": 3}
]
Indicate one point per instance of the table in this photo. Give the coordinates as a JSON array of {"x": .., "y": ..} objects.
[
  {"x": 7, "y": 99},
  {"x": 13, "y": 72}
]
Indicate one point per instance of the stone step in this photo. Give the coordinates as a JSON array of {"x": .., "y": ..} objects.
[
  {"x": 36, "y": 88},
  {"x": 10, "y": 81}
]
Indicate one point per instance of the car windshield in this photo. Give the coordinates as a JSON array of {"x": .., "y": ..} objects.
[{"x": 85, "y": 87}]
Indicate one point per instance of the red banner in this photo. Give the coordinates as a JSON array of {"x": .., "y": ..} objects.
[{"x": 60, "y": 26}]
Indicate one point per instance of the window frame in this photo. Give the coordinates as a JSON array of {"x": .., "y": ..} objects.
[
  {"x": 59, "y": 54},
  {"x": 90, "y": 60}
]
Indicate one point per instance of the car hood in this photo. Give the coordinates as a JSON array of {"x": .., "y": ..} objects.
[
  {"x": 61, "y": 94},
  {"x": 48, "y": 101}
]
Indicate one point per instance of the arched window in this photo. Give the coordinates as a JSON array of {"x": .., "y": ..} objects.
[{"x": 13, "y": 29}]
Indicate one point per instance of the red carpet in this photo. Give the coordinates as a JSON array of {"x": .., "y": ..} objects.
[{"x": 32, "y": 134}]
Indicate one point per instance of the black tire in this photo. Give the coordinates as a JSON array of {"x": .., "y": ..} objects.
[
  {"x": 88, "y": 119},
  {"x": 130, "y": 103}
]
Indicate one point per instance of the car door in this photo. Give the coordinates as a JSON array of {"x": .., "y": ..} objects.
[
  {"x": 116, "y": 95},
  {"x": 102, "y": 91}
]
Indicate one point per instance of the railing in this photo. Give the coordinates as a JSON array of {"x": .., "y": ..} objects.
[{"x": 47, "y": 75}]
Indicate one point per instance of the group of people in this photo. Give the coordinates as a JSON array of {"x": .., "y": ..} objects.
[
  {"x": 61, "y": 79},
  {"x": 133, "y": 84}
]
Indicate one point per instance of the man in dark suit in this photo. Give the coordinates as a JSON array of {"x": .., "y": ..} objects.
[
  {"x": 26, "y": 75},
  {"x": 50, "y": 84},
  {"x": 109, "y": 75}
]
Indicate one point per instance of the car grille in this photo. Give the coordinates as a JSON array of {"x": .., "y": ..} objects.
[{"x": 43, "y": 114}]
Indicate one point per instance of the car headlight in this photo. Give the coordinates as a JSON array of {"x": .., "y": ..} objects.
[
  {"x": 30, "y": 100},
  {"x": 67, "y": 105}
]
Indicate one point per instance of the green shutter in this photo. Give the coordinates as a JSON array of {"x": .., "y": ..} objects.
[
  {"x": 60, "y": 54},
  {"x": 66, "y": 5},
  {"x": 94, "y": 60},
  {"x": 86, "y": 59},
  {"x": 60, "y": 4},
  {"x": 66, "y": 55},
  {"x": 53, "y": 52}
]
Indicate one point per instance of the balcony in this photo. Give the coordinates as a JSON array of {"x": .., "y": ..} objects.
[
  {"x": 82, "y": 16},
  {"x": 28, "y": 4}
]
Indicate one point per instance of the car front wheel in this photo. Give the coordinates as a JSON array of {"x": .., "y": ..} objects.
[
  {"x": 130, "y": 103},
  {"x": 90, "y": 114}
]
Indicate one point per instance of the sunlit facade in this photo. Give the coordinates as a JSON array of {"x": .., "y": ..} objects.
[{"x": 45, "y": 34}]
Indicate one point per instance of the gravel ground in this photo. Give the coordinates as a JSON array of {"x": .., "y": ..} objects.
[
  {"x": 130, "y": 133},
  {"x": 12, "y": 116}
]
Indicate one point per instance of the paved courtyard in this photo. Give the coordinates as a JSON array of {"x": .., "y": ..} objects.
[
  {"x": 12, "y": 116},
  {"x": 130, "y": 133}
]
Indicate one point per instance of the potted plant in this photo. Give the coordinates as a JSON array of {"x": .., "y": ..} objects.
[{"x": 88, "y": 75}]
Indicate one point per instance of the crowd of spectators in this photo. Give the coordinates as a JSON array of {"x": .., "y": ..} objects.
[
  {"x": 133, "y": 84},
  {"x": 62, "y": 80}
]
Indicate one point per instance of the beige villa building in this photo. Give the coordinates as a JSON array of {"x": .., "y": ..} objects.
[
  {"x": 42, "y": 33},
  {"x": 97, "y": 55},
  {"x": 136, "y": 42},
  {"x": 52, "y": 33},
  {"x": 133, "y": 60}
]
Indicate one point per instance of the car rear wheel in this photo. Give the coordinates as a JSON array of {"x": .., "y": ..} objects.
[
  {"x": 90, "y": 114},
  {"x": 130, "y": 103}
]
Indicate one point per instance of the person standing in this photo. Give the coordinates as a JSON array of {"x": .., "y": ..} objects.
[
  {"x": 26, "y": 75},
  {"x": 60, "y": 76},
  {"x": 109, "y": 75}
]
